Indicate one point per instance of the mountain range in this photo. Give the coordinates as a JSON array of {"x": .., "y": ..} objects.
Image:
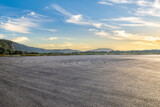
[
  {"x": 22, "y": 47},
  {"x": 102, "y": 50},
  {"x": 10, "y": 45}
]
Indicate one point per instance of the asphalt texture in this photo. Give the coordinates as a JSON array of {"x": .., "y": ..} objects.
[{"x": 80, "y": 81}]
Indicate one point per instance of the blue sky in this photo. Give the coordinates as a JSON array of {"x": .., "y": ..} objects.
[{"x": 82, "y": 24}]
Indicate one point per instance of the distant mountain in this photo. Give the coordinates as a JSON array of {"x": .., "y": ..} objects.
[
  {"x": 21, "y": 47},
  {"x": 9, "y": 47},
  {"x": 102, "y": 50}
]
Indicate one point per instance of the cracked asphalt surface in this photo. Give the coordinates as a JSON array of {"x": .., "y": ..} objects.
[{"x": 80, "y": 81}]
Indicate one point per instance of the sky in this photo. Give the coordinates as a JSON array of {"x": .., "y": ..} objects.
[{"x": 82, "y": 24}]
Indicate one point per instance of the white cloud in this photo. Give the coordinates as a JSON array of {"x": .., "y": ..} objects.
[
  {"x": 53, "y": 38},
  {"x": 61, "y": 10},
  {"x": 121, "y": 1},
  {"x": 123, "y": 35},
  {"x": 32, "y": 13},
  {"x": 80, "y": 20},
  {"x": 143, "y": 3},
  {"x": 130, "y": 19},
  {"x": 145, "y": 7},
  {"x": 22, "y": 24},
  {"x": 104, "y": 3},
  {"x": 17, "y": 25},
  {"x": 137, "y": 2},
  {"x": 108, "y": 35},
  {"x": 91, "y": 30},
  {"x": 103, "y": 34},
  {"x": 157, "y": 4},
  {"x": 148, "y": 12},
  {"x": 152, "y": 9},
  {"x": 132, "y": 25},
  {"x": 97, "y": 25},
  {"x": 20, "y": 39},
  {"x": 12, "y": 34},
  {"x": 51, "y": 30},
  {"x": 136, "y": 21},
  {"x": 2, "y": 36},
  {"x": 77, "y": 19}
]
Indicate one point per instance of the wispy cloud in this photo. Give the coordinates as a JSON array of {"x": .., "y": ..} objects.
[
  {"x": 92, "y": 30},
  {"x": 51, "y": 30},
  {"x": 123, "y": 35},
  {"x": 107, "y": 34},
  {"x": 53, "y": 38},
  {"x": 103, "y": 34},
  {"x": 152, "y": 9},
  {"x": 137, "y": 2},
  {"x": 157, "y": 4},
  {"x": 145, "y": 7},
  {"x": 20, "y": 39},
  {"x": 122, "y": 1},
  {"x": 21, "y": 24},
  {"x": 32, "y": 13},
  {"x": 61, "y": 10},
  {"x": 104, "y": 3},
  {"x": 76, "y": 19},
  {"x": 80, "y": 20},
  {"x": 135, "y": 21}
]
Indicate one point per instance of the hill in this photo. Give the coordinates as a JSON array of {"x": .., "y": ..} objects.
[
  {"x": 21, "y": 47},
  {"x": 6, "y": 47}
]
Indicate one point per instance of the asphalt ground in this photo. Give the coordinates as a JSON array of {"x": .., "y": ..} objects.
[{"x": 80, "y": 81}]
